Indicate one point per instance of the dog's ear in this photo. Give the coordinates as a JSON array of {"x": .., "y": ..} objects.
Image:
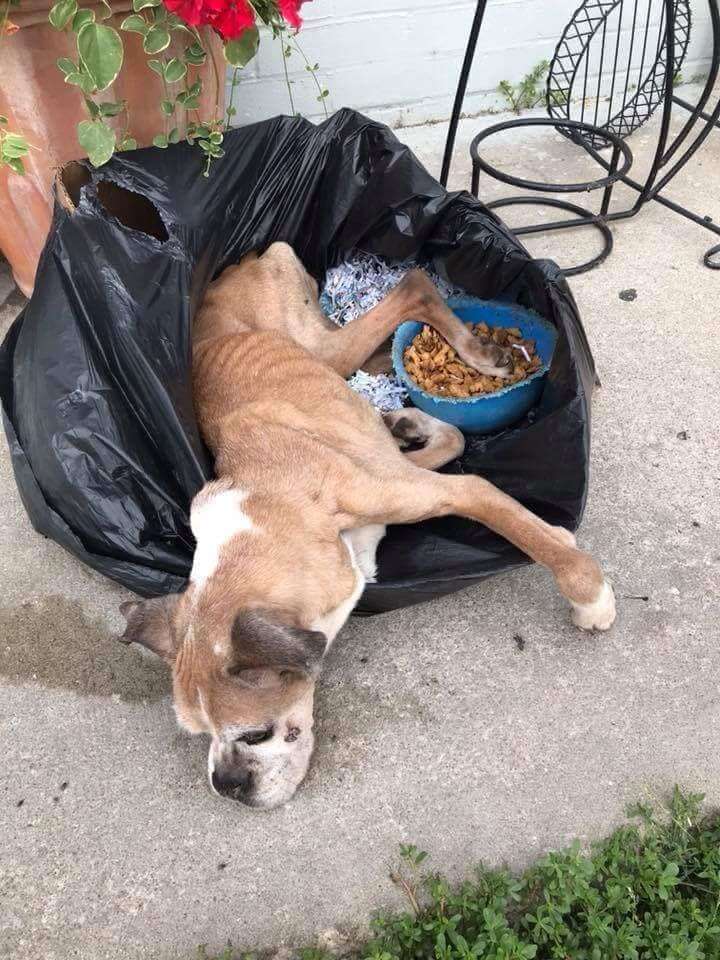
[
  {"x": 259, "y": 642},
  {"x": 151, "y": 624}
]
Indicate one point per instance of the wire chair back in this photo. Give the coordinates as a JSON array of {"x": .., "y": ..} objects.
[{"x": 610, "y": 65}]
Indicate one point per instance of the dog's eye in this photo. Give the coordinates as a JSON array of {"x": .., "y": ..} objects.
[{"x": 253, "y": 737}]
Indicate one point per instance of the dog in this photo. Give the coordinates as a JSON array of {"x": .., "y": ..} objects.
[{"x": 308, "y": 477}]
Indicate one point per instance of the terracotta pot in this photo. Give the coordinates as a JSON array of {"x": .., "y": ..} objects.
[{"x": 46, "y": 110}]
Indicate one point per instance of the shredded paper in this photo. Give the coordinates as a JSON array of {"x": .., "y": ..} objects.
[{"x": 358, "y": 285}]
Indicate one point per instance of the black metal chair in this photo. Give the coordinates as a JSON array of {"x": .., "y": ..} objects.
[
  {"x": 634, "y": 88},
  {"x": 598, "y": 108}
]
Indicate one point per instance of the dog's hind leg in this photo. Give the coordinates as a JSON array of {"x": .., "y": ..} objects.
[
  {"x": 414, "y": 298},
  {"x": 424, "y": 440},
  {"x": 409, "y": 494}
]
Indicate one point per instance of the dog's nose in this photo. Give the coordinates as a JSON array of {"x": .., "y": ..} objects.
[{"x": 236, "y": 783}]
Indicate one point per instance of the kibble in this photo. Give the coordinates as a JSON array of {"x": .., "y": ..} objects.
[{"x": 436, "y": 368}]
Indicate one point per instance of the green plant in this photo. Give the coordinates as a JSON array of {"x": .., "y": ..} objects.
[
  {"x": 651, "y": 891},
  {"x": 100, "y": 54},
  {"x": 13, "y": 147},
  {"x": 227, "y": 954},
  {"x": 529, "y": 92}
]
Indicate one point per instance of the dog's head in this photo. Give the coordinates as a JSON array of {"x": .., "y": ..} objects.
[{"x": 248, "y": 682}]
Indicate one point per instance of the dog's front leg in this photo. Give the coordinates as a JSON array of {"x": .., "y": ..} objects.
[
  {"x": 411, "y": 494},
  {"x": 414, "y": 298}
]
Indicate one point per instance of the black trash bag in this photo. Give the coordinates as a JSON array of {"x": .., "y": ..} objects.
[{"x": 95, "y": 373}]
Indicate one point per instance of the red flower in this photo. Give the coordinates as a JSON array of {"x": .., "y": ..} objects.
[
  {"x": 290, "y": 10},
  {"x": 233, "y": 18},
  {"x": 194, "y": 12},
  {"x": 229, "y": 17}
]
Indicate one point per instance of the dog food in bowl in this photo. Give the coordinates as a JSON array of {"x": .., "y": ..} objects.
[
  {"x": 435, "y": 367},
  {"x": 482, "y": 413}
]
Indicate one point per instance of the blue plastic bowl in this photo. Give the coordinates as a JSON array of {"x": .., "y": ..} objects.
[{"x": 494, "y": 411}]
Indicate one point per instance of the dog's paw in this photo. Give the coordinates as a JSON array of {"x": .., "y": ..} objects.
[
  {"x": 486, "y": 357},
  {"x": 406, "y": 429},
  {"x": 598, "y": 615}
]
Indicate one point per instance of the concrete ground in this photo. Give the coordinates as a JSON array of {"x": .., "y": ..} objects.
[{"x": 433, "y": 726}]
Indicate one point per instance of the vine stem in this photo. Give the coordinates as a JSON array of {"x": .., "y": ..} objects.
[
  {"x": 233, "y": 85},
  {"x": 126, "y": 132},
  {"x": 166, "y": 90},
  {"x": 287, "y": 78},
  {"x": 311, "y": 71},
  {"x": 399, "y": 880}
]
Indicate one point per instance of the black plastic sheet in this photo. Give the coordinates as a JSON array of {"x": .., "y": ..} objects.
[{"x": 95, "y": 373}]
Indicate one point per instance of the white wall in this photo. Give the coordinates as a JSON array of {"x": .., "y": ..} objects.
[{"x": 398, "y": 60}]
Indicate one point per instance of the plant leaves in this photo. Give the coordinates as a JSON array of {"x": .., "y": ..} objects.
[
  {"x": 174, "y": 135},
  {"x": 16, "y": 164},
  {"x": 111, "y": 109},
  {"x": 61, "y": 13},
  {"x": 81, "y": 17},
  {"x": 141, "y": 4},
  {"x": 81, "y": 80},
  {"x": 156, "y": 39},
  {"x": 167, "y": 107},
  {"x": 156, "y": 66},
  {"x": 98, "y": 141},
  {"x": 240, "y": 52},
  {"x": 175, "y": 23},
  {"x": 191, "y": 103},
  {"x": 93, "y": 108},
  {"x": 128, "y": 143},
  {"x": 13, "y": 145},
  {"x": 101, "y": 53},
  {"x": 194, "y": 90},
  {"x": 135, "y": 24},
  {"x": 175, "y": 70},
  {"x": 67, "y": 66},
  {"x": 195, "y": 54},
  {"x": 160, "y": 141}
]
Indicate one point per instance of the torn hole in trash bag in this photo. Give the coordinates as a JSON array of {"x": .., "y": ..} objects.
[
  {"x": 131, "y": 210},
  {"x": 70, "y": 180}
]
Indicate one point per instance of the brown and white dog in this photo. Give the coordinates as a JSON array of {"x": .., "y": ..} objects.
[{"x": 308, "y": 475}]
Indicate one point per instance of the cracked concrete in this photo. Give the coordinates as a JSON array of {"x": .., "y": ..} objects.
[{"x": 433, "y": 726}]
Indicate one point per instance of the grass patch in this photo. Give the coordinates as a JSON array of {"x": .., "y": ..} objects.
[{"x": 651, "y": 891}]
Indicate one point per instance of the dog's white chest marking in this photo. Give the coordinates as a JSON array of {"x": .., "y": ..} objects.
[
  {"x": 362, "y": 546},
  {"x": 214, "y": 522}
]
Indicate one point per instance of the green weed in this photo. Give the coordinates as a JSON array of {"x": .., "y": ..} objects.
[
  {"x": 530, "y": 91},
  {"x": 651, "y": 891}
]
